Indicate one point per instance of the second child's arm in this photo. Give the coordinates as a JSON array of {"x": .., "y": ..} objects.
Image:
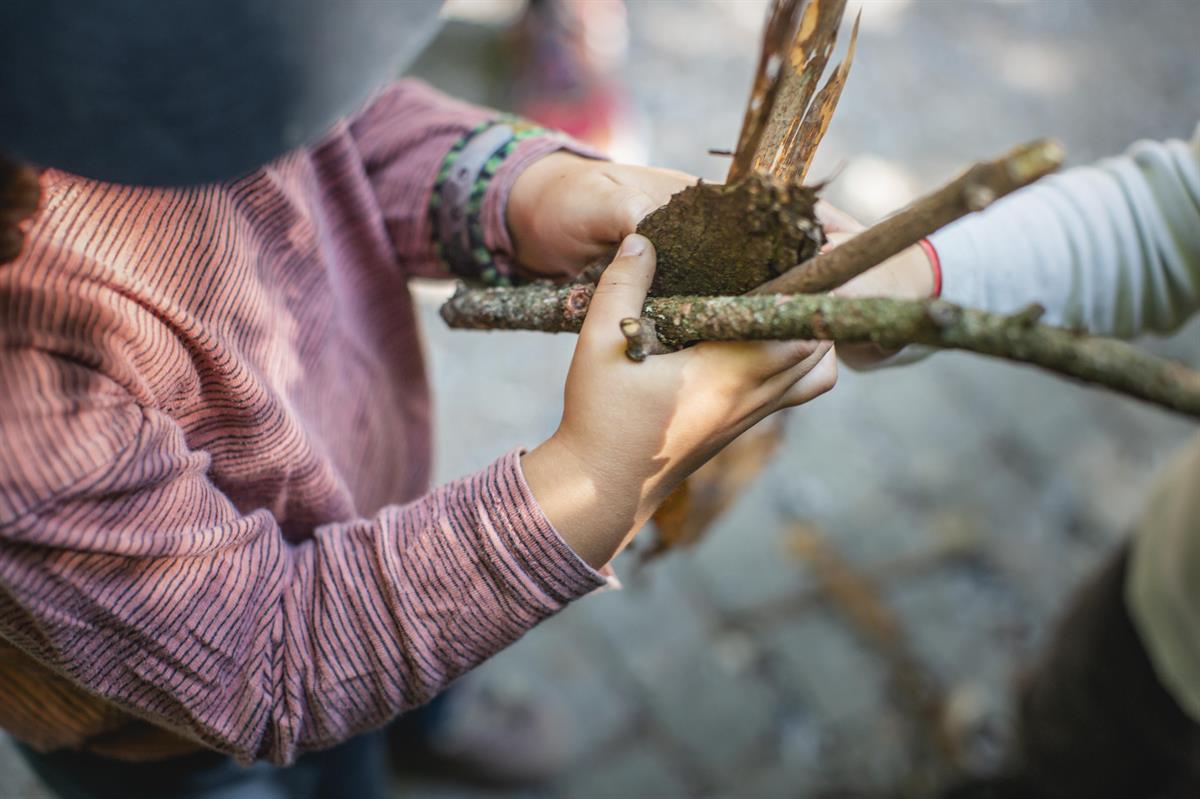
[{"x": 1113, "y": 248}]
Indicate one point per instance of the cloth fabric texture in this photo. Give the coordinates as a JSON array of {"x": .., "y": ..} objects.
[
  {"x": 457, "y": 202},
  {"x": 216, "y": 528},
  {"x": 1113, "y": 248}
]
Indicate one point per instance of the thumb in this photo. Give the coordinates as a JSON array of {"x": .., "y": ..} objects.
[
  {"x": 621, "y": 291},
  {"x": 626, "y": 208}
]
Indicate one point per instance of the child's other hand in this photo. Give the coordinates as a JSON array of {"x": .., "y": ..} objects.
[
  {"x": 631, "y": 432},
  {"x": 907, "y": 275},
  {"x": 564, "y": 211}
]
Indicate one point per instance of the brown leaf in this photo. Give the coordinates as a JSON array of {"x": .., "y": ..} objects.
[{"x": 691, "y": 509}]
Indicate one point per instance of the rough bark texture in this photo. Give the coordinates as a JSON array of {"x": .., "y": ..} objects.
[
  {"x": 799, "y": 38},
  {"x": 641, "y": 339},
  {"x": 797, "y": 155},
  {"x": 889, "y": 323},
  {"x": 714, "y": 239}
]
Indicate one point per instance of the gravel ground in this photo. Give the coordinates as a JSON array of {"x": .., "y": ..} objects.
[{"x": 969, "y": 494}]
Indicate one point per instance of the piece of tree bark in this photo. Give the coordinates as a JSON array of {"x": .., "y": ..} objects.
[
  {"x": 783, "y": 124},
  {"x": 886, "y": 322},
  {"x": 797, "y": 154},
  {"x": 973, "y": 190},
  {"x": 727, "y": 239}
]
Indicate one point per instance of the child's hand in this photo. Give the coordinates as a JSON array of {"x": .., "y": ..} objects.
[
  {"x": 908, "y": 275},
  {"x": 631, "y": 432},
  {"x": 564, "y": 211}
]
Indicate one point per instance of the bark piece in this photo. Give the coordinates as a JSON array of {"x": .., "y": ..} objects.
[
  {"x": 796, "y": 156},
  {"x": 797, "y": 42},
  {"x": 714, "y": 239}
]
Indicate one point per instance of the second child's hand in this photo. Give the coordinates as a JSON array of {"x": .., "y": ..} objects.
[{"x": 908, "y": 275}]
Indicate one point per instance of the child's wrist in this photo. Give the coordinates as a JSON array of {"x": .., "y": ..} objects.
[
  {"x": 529, "y": 189},
  {"x": 931, "y": 273},
  {"x": 595, "y": 514},
  {"x": 917, "y": 273}
]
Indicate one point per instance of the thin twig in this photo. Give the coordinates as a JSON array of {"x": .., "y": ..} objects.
[
  {"x": 889, "y": 323},
  {"x": 975, "y": 189},
  {"x": 641, "y": 338}
]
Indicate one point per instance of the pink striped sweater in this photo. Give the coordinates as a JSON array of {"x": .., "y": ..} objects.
[{"x": 215, "y": 523}]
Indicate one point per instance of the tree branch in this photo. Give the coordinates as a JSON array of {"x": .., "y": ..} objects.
[
  {"x": 888, "y": 323},
  {"x": 974, "y": 190},
  {"x": 641, "y": 339}
]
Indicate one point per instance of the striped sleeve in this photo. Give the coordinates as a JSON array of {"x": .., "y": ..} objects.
[
  {"x": 125, "y": 569},
  {"x": 403, "y": 137}
]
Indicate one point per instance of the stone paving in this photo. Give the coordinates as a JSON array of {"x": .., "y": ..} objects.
[{"x": 970, "y": 494}]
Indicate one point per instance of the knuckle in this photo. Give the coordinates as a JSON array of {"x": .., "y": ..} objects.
[
  {"x": 797, "y": 351},
  {"x": 827, "y": 376}
]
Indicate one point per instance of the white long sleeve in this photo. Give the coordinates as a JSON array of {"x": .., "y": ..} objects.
[{"x": 1113, "y": 248}]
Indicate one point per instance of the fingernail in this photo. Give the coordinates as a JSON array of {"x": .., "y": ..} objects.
[{"x": 632, "y": 245}]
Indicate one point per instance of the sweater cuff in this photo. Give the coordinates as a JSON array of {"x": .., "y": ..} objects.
[
  {"x": 539, "y": 564},
  {"x": 496, "y": 234},
  {"x": 468, "y": 206},
  {"x": 957, "y": 255}
]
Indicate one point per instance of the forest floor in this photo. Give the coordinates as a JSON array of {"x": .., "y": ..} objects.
[{"x": 970, "y": 495}]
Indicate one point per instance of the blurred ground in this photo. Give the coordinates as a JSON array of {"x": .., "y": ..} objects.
[{"x": 972, "y": 493}]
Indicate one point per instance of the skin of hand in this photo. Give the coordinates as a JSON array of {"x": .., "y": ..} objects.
[
  {"x": 631, "y": 432},
  {"x": 908, "y": 275},
  {"x": 564, "y": 211}
]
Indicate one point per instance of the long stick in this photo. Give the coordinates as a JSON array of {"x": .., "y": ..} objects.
[
  {"x": 974, "y": 190},
  {"x": 889, "y": 323}
]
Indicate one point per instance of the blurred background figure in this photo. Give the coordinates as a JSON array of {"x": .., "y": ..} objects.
[
  {"x": 560, "y": 63},
  {"x": 567, "y": 55}
]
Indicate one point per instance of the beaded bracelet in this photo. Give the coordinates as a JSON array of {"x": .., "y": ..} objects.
[{"x": 456, "y": 207}]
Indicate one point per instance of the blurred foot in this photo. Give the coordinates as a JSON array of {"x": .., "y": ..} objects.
[{"x": 478, "y": 736}]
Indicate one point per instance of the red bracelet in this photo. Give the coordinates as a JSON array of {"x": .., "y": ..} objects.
[{"x": 935, "y": 264}]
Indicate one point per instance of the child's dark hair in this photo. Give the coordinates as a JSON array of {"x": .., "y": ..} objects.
[{"x": 19, "y": 196}]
